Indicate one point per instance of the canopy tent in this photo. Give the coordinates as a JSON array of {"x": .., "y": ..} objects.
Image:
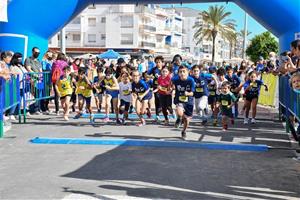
[
  {"x": 110, "y": 54},
  {"x": 86, "y": 56}
]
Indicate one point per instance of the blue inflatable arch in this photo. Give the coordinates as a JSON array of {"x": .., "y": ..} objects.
[{"x": 32, "y": 22}]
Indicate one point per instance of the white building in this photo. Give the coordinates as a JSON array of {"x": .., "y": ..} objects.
[{"x": 125, "y": 28}]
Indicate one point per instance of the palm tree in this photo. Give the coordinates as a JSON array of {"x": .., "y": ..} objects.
[
  {"x": 214, "y": 22},
  {"x": 232, "y": 38},
  {"x": 241, "y": 33}
]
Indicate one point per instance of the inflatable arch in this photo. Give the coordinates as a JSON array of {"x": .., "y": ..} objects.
[{"x": 32, "y": 22}]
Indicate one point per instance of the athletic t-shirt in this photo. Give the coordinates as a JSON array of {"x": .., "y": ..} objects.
[
  {"x": 125, "y": 91},
  {"x": 164, "y": 84},
  {"x": 255, "y": 89},
  {"x": 201, "y": 85},
  {"x": 234, "y": 80},
  {"x": 182, "y": 86},
  {"x": 155, "y": 72},
  {"x": 225, "y": 100},
  {"x": 140, "y": 88}
]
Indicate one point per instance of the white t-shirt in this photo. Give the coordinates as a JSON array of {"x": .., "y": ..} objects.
[
  {"x": 219, "y": 85},
  {"x": 125, "y": 91}
]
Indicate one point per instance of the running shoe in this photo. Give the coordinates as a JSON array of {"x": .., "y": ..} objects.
[
  {"x": 66, "y": 118},
  {"x": 141, "y": 123},
  {"x": 204, "y": 121},
  {"x": 215, "y": 122},
  {"x": 166, "y": 123},
  {"x": 177, "y": 123},
  {"x": 106, "y": 119},
  {"x": 157, "y": 118},
  {"x": 246, "y": 120},
  {"x": 78, "y": 116},
  {"x": 149, "y": 114},
  {"x": 118, "y": 121},
  {"x": 253, "y": 121},
  {"x": 183, "y": 135},
  {"x": 92, "y": 119},
  {"x": 225, "y": 127}
]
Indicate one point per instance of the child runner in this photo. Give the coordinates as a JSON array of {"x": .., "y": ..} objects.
[
  {"x": 235, "y": 87},
  {"x": 184, "y": 91},
  {"x": 220, "y": 79},
  {"x": 252, "y": 88},
  {"x": 149, "y": 81},
  {"x": 111, "y": 86},
  {"x": 164, "y": 91},
  {"x": 98, "y": 89},
  {"x": 125, "y": 96},
  {"x": 212, "y": 88},
  {"x": 201, "y": 91},
  {"x": 226, "y": 100},
  {"x": 84, "y": 91},
  {"x": 141, "y": 95},
  {"x": 155, "y": 72},
  {"x": 64, "y": 90}
]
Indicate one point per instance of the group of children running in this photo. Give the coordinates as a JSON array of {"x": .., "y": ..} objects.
[{"x": 187, "y": 87}]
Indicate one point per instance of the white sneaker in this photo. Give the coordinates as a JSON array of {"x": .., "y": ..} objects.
[
  {"x": 246, "y": 120},
  {"x": 253, "y": 121},
  {"x": 5, "y": 118}
]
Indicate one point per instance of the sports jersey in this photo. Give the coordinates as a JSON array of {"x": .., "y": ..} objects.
[
  {"x": 140, "y": 88},
  {"x": 182, "y": 86},
  {"x": 226, "y": 100},
  {"x": 255, "y": 89},
  {"x": 65, "y": 86},
  {"x": 125, "y": 91},
  {"x": 201, "y": 85},
  {"x": 86, "y": 92}
]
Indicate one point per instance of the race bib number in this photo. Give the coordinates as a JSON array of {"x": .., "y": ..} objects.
[
  {"x": 183, "y": 98},
  {"x": 212, "y": 93},
  {"x": 199, "y": 89},
  {"x": 126, "y": 92},
  {"x": 155, "y": 82},
  {"x": 224, "y": 103},
  {"x": 164, "y": 89},
  {"x": 254, "y": 85}
]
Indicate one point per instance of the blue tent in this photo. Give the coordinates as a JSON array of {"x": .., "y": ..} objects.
[{"x": 110, "y": 54}]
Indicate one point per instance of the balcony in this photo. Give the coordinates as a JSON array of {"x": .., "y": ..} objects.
[
  {"x": 148, "y": 28},
  {"x": 147, "y": 44}
]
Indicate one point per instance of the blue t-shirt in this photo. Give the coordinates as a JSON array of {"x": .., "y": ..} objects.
[
  {"x": 234, "y": 80},
  {"x": 46, "y": 66},
  {"x": 181, "y": 86},
  {"x": 155, "y": 72},
  {"x": 151, "y": 65},
  {"x": 201, "y": 82},
  {"x": 139, "y": 87},
  {"x": 260, "y": 67},
  {"x": 255, "y": 89},
  {"x": 175, "y": 70},
  {"x": 150, "y": 85}
]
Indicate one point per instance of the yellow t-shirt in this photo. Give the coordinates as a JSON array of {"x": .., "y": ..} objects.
[
  {"x": 65, "y": 86},
  {"x": 86, "y": 91}
]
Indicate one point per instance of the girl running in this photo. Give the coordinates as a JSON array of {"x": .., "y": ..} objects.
[
  {"x": 111, "y": 86},
  {"x": 165, "y": 95},
  {"x": 64, "y": 90},
  {"x": 141, "y": 94},
  {"x": 125, "y": 96},
  {"x": 252, "y": 88},
  {"x": 149, "y": 81},
  {"x": 98, "y": 89}
]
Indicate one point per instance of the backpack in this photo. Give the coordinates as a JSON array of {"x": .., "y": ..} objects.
[{"x": 55, "y": 75}]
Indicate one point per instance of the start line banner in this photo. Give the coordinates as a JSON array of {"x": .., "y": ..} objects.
[
  {"x": 3, "y": 11},
  {"x": 268, "y": 98}
]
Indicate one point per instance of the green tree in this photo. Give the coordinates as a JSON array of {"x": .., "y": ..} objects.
[
  {"x": 262, "y": 45},
  {"x": 211, "y": 23}
]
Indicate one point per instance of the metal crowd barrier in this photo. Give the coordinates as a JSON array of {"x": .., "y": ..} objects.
[
  {"x": 289, "y": 104},
  {"x": 36, "y": 87},
  {"x": 9, "y": 98}
]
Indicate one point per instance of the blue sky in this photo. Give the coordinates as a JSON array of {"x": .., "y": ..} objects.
[{"x": 236, "y": 13}]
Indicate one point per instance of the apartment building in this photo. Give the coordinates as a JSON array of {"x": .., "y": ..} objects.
[{"x": 131, "y": 29}]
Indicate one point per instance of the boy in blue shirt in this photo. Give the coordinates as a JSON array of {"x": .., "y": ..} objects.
[{"x": 184, "y": 87}]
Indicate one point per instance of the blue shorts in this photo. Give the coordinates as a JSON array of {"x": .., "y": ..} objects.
[
  {"x": 124, "y": 104},
  {"x": 87, "y": 100},
  {"x": 148, "y": 96},
  {"x": 114, "y": 93},
  {"x": 188, "y": 109}
]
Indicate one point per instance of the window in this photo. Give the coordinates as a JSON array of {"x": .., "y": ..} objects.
[
  {"x": 127, "y": 38},
  {"x": 76, "y": 20},
  {"x": 103, "y": 19},
  {"x": 126, "y": 21},
  {"x": 92, "y": 38},
  {"x": 103, "y": 36},
  {"x": 92, "y": 21},
  {"x": 76, "y": 37}
]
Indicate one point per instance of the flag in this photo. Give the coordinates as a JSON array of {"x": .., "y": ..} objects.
[{"x": 3, "y": 10}]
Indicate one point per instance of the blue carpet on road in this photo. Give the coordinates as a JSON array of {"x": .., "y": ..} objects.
[
  {"x": 113, "y": 116},
  {"x": 153, "y": 143}
]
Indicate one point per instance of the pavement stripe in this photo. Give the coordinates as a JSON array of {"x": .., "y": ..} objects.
[{"x": 153, "y": 143}]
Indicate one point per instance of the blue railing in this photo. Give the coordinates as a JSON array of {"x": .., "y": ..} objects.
[
  {"x": 9, "y": 98},
  {"x": 289, "y": 104}
]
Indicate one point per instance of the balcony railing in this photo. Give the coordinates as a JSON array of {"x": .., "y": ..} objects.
[{"x": 147, "y": 44}]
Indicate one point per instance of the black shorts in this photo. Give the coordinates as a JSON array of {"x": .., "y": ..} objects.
[
  {"x": 226, "y": 112},
  {"x": 87, "y": 100},
  {"x": 212, "y": 99},
  {"x": 68, "y": 95},
  {"x": 124, "y": 104},
  {"x": 250, "y": 97},
  {"x": 188, "y": 109},
  {"x": 165, "y": 101}
]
